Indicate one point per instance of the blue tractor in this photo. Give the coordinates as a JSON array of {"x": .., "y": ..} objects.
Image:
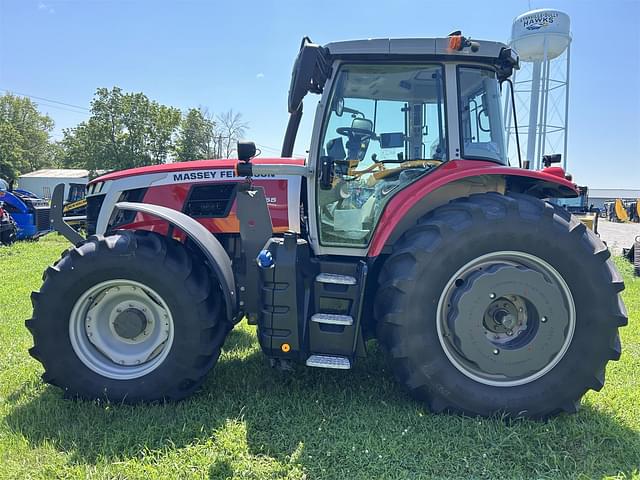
[{"x": 30, "y": 213}]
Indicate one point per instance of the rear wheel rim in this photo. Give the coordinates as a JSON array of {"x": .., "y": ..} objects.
[
  {"x": 121, "y": 329},
  {"x": 506, "y": 318}
]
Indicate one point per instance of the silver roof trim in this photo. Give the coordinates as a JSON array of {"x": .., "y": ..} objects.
[{"x": 412, "y": 46}]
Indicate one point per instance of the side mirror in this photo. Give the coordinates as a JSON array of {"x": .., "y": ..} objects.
[
  {"x": 326, "y": 173},
  {"x": 246, "y": 151},
  {"x": 310, "y": 72}
]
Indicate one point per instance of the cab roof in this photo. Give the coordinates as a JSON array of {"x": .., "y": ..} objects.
[{"x": 488, "y": 50}]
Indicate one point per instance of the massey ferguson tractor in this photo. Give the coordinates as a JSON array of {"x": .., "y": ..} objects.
[{"x": 405, "y": 224}]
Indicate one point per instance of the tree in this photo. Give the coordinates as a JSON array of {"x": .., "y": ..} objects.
[
  {"x": 24, "y": 137},
  {"x": 231, "y": 128},
  {"x": 196, "y": 136},
  {"x": 125, "y": 130}
]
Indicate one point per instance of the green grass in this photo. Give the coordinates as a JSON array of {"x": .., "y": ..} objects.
[{"x": 250, "y": 421}]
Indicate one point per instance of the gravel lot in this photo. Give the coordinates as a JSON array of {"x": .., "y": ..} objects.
[{"x": 618, "y": 235}]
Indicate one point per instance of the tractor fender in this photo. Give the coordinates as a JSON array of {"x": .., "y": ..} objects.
[
  {"x": 204, "y": 240},
  {"x": 455, "y": 179}
]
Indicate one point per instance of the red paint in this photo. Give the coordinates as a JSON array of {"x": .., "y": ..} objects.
[
  {"x": 453, "y": 170},
  {"x": 175, "y": 195},
  {"x": 556, "y": 171},
  {"x": 194, "y": 165}
]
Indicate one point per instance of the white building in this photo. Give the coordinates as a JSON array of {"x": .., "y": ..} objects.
[{"x": 42, "y": 182}]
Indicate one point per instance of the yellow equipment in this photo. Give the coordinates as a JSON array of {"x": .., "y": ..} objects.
[
  {"x": 75, "y": 213},
  {"x": 621, "y": 212}
]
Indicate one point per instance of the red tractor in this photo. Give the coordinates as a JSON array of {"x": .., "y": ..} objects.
[{"x": 405, "y": 224}]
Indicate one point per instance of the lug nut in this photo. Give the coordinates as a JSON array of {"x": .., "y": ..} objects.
[
  {"x": 544, "y": 319},
  {"x": 496, "y": 351},
  {"x": 492, "y": 296}
]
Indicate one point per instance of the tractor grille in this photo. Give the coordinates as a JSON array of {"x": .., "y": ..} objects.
[
  {"x": 94, "y": 204},
  {"x": 213, "y": 201},
  {"x": 42, "y": 219}
]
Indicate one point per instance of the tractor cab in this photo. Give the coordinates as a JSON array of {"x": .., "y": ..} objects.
[{"x": 391, "y": 111}]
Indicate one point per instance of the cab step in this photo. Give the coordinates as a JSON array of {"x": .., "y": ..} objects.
[
  {"x": 336, "y": 279},
  {"x": 332, "y": 319},
  {"x": 329, "y": 361}
]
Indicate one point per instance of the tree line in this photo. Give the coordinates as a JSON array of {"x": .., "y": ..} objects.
[{"x": 124, "y": 130}]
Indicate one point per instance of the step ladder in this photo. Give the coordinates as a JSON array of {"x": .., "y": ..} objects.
[{"x": 334, "y": 332}]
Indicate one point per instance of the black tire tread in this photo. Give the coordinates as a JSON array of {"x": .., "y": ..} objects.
[
  {"x": 202, "y": 290},
  {"x": 398, "y": 276}
]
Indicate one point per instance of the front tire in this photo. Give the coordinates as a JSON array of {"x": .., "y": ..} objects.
[
  {"x": 130, "y": 317},
  {"x": 500, "y": 304}
]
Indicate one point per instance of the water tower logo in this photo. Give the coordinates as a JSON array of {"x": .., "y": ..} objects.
[{"x": 539, "y": 20}]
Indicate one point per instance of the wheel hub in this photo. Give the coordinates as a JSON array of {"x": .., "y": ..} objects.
[
  {"x": 130, "y": 323},
  {"x": 121, "y": 329},
  {"x": 506, "y": 318}
]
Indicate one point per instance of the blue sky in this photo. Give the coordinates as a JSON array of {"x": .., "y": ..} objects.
[{"x": 238, "y": 54}]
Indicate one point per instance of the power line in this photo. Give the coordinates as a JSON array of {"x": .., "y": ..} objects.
[
  {"x": 43, "y": 104},
  {"x": 56, "y": 103},
  {"x": 47, "y": 100}
]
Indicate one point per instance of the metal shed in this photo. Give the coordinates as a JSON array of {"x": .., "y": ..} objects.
[{"x": 42, "y": 182}]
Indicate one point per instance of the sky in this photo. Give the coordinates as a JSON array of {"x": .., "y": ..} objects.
[{"x": 238, "y": 55}]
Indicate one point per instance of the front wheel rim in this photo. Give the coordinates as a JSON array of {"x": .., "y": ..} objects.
[
  {"x": 506, "y": 318},
  {"x": 121, "y": 329}
]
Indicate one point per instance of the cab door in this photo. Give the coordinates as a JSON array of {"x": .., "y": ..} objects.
[{"x": 381, "y": 127}]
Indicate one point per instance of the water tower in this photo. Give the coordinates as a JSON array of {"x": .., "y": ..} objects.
[{"x": 543, "y": 40}]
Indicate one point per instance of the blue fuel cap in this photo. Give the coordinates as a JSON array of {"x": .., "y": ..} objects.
[{"x": 264, "y": 259}]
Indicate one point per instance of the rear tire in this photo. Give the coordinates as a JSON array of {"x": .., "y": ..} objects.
[
  {"x": 441, "y": 342},
  {"x": 161, "y": 347}
]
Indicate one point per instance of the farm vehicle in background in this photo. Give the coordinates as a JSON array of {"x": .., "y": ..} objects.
[
  {"x": 580, "y": 208},
  {"x": 619, "y": 210},
  {"x": 29, "y": 212}
]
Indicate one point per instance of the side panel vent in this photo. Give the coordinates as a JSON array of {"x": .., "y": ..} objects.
[{"x": 211, "y": 201}]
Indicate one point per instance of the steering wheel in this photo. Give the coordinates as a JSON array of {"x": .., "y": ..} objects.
[{"x": 354, "y": 133}]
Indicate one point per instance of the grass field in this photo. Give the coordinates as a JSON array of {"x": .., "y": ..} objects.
[{"x": 250, "y": 421}]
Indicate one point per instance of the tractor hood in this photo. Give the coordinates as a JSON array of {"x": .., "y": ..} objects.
[{"x": 196, "y": 169}]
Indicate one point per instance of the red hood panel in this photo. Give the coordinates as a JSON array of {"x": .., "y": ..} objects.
[{"x": 193, "y": 165}]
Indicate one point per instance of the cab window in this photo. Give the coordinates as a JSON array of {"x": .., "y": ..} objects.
[
  {"x": 385, "y": 129},
  {"x": 481, "y": 127}
]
